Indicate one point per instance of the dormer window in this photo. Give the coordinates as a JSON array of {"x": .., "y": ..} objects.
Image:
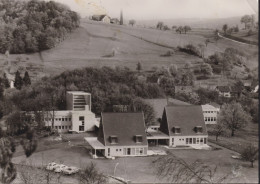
[
  {"x": 138, "y": 138},
  {"x": 198, "y": 129},
  {"x": 113, "y": 139},
  {"x": 176, "y": 130}
]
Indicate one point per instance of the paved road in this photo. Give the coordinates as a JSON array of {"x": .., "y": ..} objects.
[{"x": 233, "y": 40}]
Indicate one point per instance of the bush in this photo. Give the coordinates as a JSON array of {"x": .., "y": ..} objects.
[{"x": 190, "y": 49}]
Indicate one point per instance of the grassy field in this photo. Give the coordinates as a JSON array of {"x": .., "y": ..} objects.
[
  {"x": 241, "y": 139},
  {"x": 88, "y": 45},
  {"x": 140, "y": 169}
]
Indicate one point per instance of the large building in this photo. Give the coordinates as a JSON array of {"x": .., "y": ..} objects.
[
  {"x": 120, "y": 134},
  {"x": 184, "y": 125},
  {"x": 210, "y": 113},
  {"x": 77, "y": 118}
]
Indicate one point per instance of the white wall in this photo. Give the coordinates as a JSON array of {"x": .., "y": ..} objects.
[
  {"x": 120, "y": 151},
  {"x": 181, "y": 140},
  {"x": 89, "y": 121}
]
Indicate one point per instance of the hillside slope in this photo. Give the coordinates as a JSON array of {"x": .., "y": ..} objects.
[{"x": 97, "y": 44}]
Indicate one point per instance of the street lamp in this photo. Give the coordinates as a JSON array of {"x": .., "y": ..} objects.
[{"x": 115, "y": 168}]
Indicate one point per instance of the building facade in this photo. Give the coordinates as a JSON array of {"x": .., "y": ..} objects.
[
  {"x": 184, "y": 125},
  {"x": 120, "y": 135},
  {"x": 210, "y": 113}
]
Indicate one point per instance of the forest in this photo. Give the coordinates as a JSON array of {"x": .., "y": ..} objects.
[{"x": 33, "y": 26}]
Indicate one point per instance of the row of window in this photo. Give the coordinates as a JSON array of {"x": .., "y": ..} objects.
[
  {"x": 58, "y": 119},
  {"x": 210, "y": 119},
  {"x": 62, "y": 127},
  {"x": 196, "y": 140},
  {"x": 210, "y": 111}
]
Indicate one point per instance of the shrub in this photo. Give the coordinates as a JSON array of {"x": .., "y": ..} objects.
[{"x": 190, "y": 49}]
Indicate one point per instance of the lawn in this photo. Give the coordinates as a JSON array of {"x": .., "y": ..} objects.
[
  {"x": 241, "y": 139},
  {"x": 140, "y": 169}
]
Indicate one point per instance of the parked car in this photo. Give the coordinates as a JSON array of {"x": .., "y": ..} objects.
[
  {"x": 52, "y": 166},
  {"x": 70, "y": 170},
  {"x": 60, "y": 168}
]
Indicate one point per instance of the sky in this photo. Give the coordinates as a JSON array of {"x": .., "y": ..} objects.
[{"x": 164, "y": 9}]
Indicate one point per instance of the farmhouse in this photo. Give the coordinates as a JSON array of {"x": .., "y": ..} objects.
[
  {"x": 184, "y": 125},
  {"x": 119, "y": 135},
  {"x": 101, "y": 18}
]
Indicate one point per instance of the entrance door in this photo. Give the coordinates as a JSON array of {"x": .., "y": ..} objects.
[
  {"x": 128, "y": 151},
  {"x": 108, "y": 151},
  {"x": 172, "y": 141}
]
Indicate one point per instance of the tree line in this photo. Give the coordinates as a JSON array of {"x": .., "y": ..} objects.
[{"x": 32, "y": 26}]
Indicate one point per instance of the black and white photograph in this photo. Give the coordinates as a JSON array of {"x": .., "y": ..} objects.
[{"x": 129, "y": 91}]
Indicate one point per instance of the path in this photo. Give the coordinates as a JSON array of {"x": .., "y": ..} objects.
[{"x": 233, "y": 40}]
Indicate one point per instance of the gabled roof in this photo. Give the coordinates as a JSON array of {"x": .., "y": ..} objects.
[
  {"x": 159, "y": 104},
  {"x": 185, "y": 117},
  {"x": 223, "y": 88},
  {"x": 98, "y": 17},
  {"x": 123, "y": 125}
]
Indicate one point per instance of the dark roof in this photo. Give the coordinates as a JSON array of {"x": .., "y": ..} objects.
[
  {"x": 185, "y": 117},
  {"x": 123, "y": 125},
  {"x": 159, "y": 104},
  {"x": 223, "y": 88}
]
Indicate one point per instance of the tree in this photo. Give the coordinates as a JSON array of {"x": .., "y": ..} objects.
[
  {"x": 180, "y": 29},
  {"x": 206, "y": 69},
  {"x": 132, "y": 22},
  {"x": 186, "y": 29},
  {"x": 165, "y": 28},
  {"x": 6, "y": 81},
  {"x": 233, "y": 117},
  {"x": 252, "y": 21},
  {"x": 139, "y": 66},
  {"x": 138, "y": 105},
  {"x": 224, "y": 28},
  {"x": 26, "y": 79},
  {"x": 245, "y": 20},
  {"x": 90, "y": 175},
  {"x": 217, "y": 130},
  {"x": 250, "y": 154},
  {"x": 202, "y": 49},
  {"x": 174, "y": 27},
  {"x": 18, "y": 82},
  {"x": 177, "y": 170},
  {"x": 160, "y": 25},
  {"x": 207, "y": 41},
  {"x": 216, "y": 36},
  {"x": 121, "y": 18},
  {"x": 236, "y": 29}
]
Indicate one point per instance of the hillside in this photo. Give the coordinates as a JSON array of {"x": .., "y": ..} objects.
[{"x": 94, "y": 43}]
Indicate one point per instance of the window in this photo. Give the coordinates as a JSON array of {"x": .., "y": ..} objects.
[
  {"x": 198, "y": 129},
  {"x": 59, "y": 119},
  {"x": 176, "y": 130},
  {"x": 190, "y": 141},
  {"x": 65, "y": 127},
  {"x": 194, "y": 140},
  {"x": 113, "y": 139},
  {"x": 211, "y": 118},
  {"x": 187, "y": 140},
  {"x": 62, "y": 127},
  {"x": 215, "y": 119},
  {"x": 66, "y": 119},
  {"x": 206, "y": 119},
  {"x": 81, "y": 128},
  {"x": 62, "y": 119},
  {"x": 116, "y": 149},
  {"x": 56, "y": 119},
  {"x": 56, "y": 127},
  {"x": 201, "y": 140},
  {"x": 138, "y": 138},
  {"x": 81, "y": 118},
  {"x": 59, "y": 127},
  {"x": 69, "y": 119},
  {"x": 205, "y": 140},
  {"x": 69, "y": 127}
]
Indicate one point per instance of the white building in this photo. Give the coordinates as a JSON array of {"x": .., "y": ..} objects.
[
  {"x": 210, "y": 113},
  {"x": 78, "y": 116}
]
